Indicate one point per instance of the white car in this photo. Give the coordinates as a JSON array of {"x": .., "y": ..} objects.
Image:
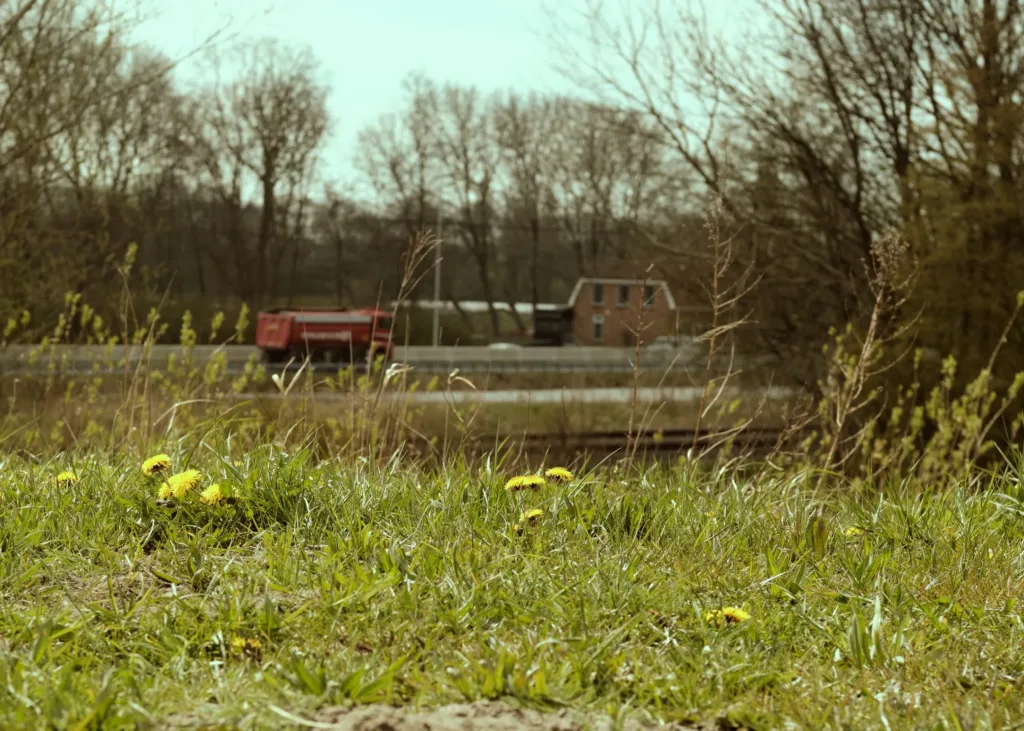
[
  {"x": 504, "y": 346},
  {"x": 666, "y": 342}
]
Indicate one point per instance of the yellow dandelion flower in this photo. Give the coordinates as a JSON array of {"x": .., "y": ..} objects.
[
  {"x": 182, "y": 482},
  {"x": 559, "y": 474},
  {"x": 66, "y": 478},
  {"x": 525, "y": 482},
  {"x": 853, "y": 531},
  {"x": 532, "y": 516},
  {"x": 248, "y": 646},
  {"x": 727, "y": 615},
  {"x": 528, "y": 518},
  {"x": 156, "y": 464},
  {"x": 212, "y": 495},
  {"x": 164, "y": 493}
]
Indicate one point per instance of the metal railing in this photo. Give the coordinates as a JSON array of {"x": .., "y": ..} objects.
[{"x": 471, "y": 359}]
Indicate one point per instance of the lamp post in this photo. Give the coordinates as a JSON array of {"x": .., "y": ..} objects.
[{"x": 437, "y": 283}]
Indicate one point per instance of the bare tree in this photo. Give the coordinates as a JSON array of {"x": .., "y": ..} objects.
[
  {"x": 259, "y": 135},
  {"x": 527, "y": 130},
  {"x": 105, "y": 162},
  {"x": 78, "y": 104},
  {"x": 465, "y": 143},
  {"x": 338, "y": 222},
  {"x": 397, "y": 156},
  {"x": 827, "y": 109},
  {"x": 607, "y": 177}
]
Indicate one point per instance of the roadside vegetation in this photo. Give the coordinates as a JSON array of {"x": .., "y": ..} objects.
[
  {"x": 298, "y": 585},
  {"x": 176, "y": 551},
  {"x": 184, "y": 544}
]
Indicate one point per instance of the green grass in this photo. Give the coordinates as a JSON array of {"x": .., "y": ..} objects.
[{"x": 396, "y": 585}]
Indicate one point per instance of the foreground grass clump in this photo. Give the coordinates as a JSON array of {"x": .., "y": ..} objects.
[{"x": 684, "y": 593}]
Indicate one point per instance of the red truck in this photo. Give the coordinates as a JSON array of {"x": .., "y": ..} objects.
[{"x": 328, "y": 335}]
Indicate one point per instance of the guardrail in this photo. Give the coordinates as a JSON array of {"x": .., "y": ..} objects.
[
  {"x": 540, "y": 359},
  {"x": 470, "y": 359}
]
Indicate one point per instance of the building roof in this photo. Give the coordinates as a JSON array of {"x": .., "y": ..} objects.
[
  {"x": 618, "y": 281},
  {"x": 476, "y": 306}
]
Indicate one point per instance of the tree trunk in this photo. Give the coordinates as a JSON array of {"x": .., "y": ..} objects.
[
  {"x": 264, "y": 241},
  {"x": 534, "y": 263},
  {"x": 339, "y": 275},
  {"x": 485, "y": 285}
]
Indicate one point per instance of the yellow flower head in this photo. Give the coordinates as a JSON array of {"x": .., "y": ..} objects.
[
  {"x": 728, "y": 615},
  {"x": 66, "y": 478},
  {"x": 528, "y": 518},
  {"x": 532, "y": 516},
  {"x": 156, "y": 464},
  {"x": 212, "y": 495},
  {"x": 248, "y": 646},
  {"x": 525, "y": 482},
  {"x": 559, "y": 474},
  {"x": 854, "y": 531},
  {"x": 164, "y": 493},
  {"x": 181, "y": 483}
]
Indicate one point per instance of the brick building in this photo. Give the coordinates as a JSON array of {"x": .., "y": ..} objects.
[{"x": 610, "y": 311}]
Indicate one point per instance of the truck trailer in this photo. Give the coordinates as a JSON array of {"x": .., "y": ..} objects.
[{"x": 345, "y": 337}]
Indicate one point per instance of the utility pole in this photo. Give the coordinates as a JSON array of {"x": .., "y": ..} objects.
[{"x": 437, "y": 283}]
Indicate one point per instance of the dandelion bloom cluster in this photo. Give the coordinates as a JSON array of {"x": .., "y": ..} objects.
[
  {"x": 156, "y": 464},
  {"x": 853, "y": 531},
  {"x": 248, "y": 646},
  {"x": 525, "y": 482},
  {"x": 727, "y": 615},
  {"x": 559, "y": 474},
  {"x": 66, "y": 478},
  {"x": 532, "y": 516},
  {"x": 178, "y": 485},
  {"x": 529, "y": 517},
  {"x": 212, "y": 495}
]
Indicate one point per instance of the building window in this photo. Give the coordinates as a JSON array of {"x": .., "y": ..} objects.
[
  {"x": 648, "y": 295},
  {"x": 598, "y": 321},
  {"x": 623, "y": 295},
  {"x": 598, "y": 294}
]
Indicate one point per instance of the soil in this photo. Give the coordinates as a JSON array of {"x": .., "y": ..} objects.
[{"x": 479, "y": 716}]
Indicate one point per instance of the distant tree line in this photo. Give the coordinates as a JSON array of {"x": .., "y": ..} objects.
[
  {"x": 840, "y": 121},
  {"x": 221, "y": 185}
]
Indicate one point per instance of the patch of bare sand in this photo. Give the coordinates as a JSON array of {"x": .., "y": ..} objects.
[{"x": 479, "y": 716}]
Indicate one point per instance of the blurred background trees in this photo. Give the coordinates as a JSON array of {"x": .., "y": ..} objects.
[{"x": 838, "y": 122}]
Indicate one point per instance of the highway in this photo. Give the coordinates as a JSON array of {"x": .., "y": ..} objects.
[{"x": 75, "y": 359}]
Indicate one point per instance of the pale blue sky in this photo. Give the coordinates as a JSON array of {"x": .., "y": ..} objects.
[{"x": 368, "y": 47}]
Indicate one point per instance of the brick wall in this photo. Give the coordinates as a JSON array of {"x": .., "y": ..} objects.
[{"x": 621, "y": 316}]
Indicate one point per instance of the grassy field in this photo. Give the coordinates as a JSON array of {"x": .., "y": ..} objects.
[
  {"x": 319, "y": 585},
  {"x": 317, "y": 571}
]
